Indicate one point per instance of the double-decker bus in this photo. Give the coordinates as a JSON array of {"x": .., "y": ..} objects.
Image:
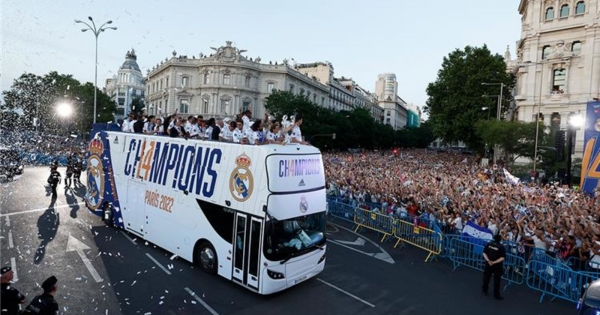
[{"x": 252, "y": 214}]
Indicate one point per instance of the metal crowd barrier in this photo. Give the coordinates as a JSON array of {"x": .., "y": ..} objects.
[
  {"x": 468, "y": 251},
  {"x": 421, "y": 237},
  {"x": 558, "y": 280},
  {"x": 374, "y": 221},
  {"x": 340, "y": 210}
]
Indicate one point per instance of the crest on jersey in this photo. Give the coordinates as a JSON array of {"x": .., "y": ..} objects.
[
  {"x": 95, "y": 175},
  {"x": 241, "y": 181}
]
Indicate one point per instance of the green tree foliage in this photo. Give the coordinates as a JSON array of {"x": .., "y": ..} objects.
[
  {"x": 415, "y": 137},
  {"x": 353, "y": 129},
  {"x": 137, "y": 105},
  {"x": 457, "y": 96},
  {"x": 34, "y": 96}
]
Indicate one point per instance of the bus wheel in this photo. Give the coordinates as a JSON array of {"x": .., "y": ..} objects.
[
  {"x": 107, "y": 215},
  {"x": 207, "y": 257}
]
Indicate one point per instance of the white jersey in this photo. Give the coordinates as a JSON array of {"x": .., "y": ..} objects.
[
  {"x": 195, "y": 130},
  {"x": 127, "y": 126},
  {"x": 271, "y": 136},
  {"x": 297, "y": 134},
  {"x": 188, "y": 127},
  {"x": 208, "y": 132},
  {"x": 226, "y": 134},
  {"x": 246, "y": 122},
  {"x": 237, "y": 135}
]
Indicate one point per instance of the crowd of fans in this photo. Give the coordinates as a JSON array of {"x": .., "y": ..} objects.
[
  {"x": 452, "y": 188},
  {"x": 238, "y": 130},
  {"x": 39, "y": 148}
]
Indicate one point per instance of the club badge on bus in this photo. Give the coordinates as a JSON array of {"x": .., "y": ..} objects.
[
  {"x": 95, "y": 180},
  {"x": 241, "y": 181}
]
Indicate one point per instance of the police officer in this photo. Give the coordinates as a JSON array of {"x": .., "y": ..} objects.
[
  {"x": 11, "y": 297},
  {"x": 69, "y": 172},
  {"x": 494, "y": 254},
  {"x": 77, "y": 167},
  {"x": 45, "y": 304},
  {"x": 54, "y": 179}
]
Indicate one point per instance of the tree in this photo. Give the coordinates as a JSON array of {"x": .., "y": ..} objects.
[
  {"x": 457, "y": 96},
  {"x": 37, "y": 97},
  {"x": 137, "y": 105}
]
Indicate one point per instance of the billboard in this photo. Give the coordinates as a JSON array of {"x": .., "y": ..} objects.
[{"x": 590, "y": 164}]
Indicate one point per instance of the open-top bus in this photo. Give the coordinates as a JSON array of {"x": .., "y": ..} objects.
[{"x": 252, "y": 214}]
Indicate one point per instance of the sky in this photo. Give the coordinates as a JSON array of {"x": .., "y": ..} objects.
[{"x": 360, "y": 38}]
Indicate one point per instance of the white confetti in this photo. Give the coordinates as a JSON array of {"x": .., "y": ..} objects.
[{"x": 134, "y": 281}]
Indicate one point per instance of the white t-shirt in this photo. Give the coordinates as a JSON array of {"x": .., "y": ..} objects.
[
  {"x": 208, "y": 132},
  {"x": 188, "y": 127},
  {"x": 254, "y": 137},
  {"x": 458, "y": 223},
  {"x": 246, "y": 121},
  {"x": 126, "y": 127},
  {"x": 248, "y": 134},
  {"x": 194, "y": 131},
  {"x": 271, "y": 136},
  {"x": 297, "y": 134}
]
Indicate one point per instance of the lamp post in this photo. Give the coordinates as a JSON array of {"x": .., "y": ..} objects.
[
  {"x": 498, "y": 112},
  {"x": 96, "y": 32},
  {"x": 575, "y": 121}
]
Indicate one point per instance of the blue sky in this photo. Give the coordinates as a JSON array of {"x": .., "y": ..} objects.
[{"x": 360, "y": 38}]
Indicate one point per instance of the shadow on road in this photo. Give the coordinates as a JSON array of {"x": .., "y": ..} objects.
[
  {"x": 71, "y": 197},
  {"x": 47, "y": 225}
]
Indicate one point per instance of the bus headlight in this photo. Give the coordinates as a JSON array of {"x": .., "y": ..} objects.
[{"x": 275, "y": 275}]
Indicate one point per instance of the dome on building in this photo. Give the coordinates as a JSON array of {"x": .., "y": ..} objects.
[{"x": 130, "y": 61}]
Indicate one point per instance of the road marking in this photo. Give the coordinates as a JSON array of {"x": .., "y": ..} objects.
[
  {"x": 40, "y": 209},
  {"x": 206, "y": 306},
  {"x": 359, "y": 242},
  {"x": 345, "y": 292},
  {"x": 7, "y": 221},
  {"x": 158, "y": 264},
  {"x": 10, "y": 240},
  {"x": 383, "y": 255},
  {"x": 74, "y": 244},
  {"x": 129, "y": 238},
  {"x": 13, "y": 265}
]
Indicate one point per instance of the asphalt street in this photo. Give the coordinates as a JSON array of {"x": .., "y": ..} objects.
[{"x": 103, "y": 270}]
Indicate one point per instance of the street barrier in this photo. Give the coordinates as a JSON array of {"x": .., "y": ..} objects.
[
  {"x": 340, "y": 209},
  {"x": 558, "y": 280},
  {"x": 374, "y": 221},
  {"x": 465, "y": 252},
  {"x": 419, "y": 236}
]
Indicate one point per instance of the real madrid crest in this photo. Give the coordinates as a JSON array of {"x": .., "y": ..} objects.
[
  {"x": 241, "y": 181},
  {"x": 95, "y": 178},
  {"x": 303, "y": 204}
]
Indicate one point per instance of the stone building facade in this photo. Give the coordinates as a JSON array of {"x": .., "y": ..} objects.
[
  {"x": 558, "y": 61},
  {"x": 126, "y": 85},
  {"x": 224, "y": 83}
]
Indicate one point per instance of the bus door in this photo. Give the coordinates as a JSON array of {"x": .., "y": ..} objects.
[
  {"x": 246, "y": 250},
  {"x": 134, "y": 212}
]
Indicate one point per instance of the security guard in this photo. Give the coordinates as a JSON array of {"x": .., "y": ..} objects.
[
  {"x": 11, "y": 297},
  {"x": 45, "y": 304},
  {"x": 494, "y": 254},
  {"x": 54, "y": 179}
]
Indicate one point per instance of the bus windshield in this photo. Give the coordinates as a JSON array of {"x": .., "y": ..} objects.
[{"x": 295, "y": 236}]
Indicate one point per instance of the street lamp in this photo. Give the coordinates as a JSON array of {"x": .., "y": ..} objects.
[
  {"x": 96, "y": 32},
  {"x": 488, "y": 109},
  {"x": 498, "y": 111},
  {"x": 575, "y": 121},
  {"x": 64, "y": 110}
]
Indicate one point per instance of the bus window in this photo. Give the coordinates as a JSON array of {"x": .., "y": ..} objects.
[
  {"x": 294, "y": 236},
  {"x": 220, "y": 218}
]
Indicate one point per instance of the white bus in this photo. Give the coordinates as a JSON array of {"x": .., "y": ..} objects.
[{"x": 252, "y": 214}]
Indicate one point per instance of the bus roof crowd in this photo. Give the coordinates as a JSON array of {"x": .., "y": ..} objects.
[{"x": 238, "y": 130}]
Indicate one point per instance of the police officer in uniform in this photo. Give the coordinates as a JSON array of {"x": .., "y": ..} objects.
[
  {"x": 69, "y": 172},
  {"x": 494, "y": 254},
  {"x": 54, "y": 179},
  {"x": 11, "y": 297},
  {"x": 77, "y": 166},
  {"x": 45, "y": 304}
]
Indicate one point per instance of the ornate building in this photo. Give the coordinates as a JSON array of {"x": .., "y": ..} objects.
[
  {"x": 558, "y": 61},
  {"x": 126, "y": 85},
  {"x": 223, "y": 84}
]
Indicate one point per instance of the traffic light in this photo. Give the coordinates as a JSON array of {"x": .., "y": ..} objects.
[{"x": 560, "y": 145}]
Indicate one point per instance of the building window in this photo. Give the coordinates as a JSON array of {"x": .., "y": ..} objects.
[
  {"x": 550, "y": 14},
  {"x": 121, "y": 101},
  {"x": 388, "y": 113},
  {"x": 546, "y": 50},
  {"x": 167, "y": 83},
  {"x": 292, "y": 88},
  {"x": 301, "y": 91},
  {"x": 160, "y": 87},
  {"x": 226, "y": 79},
  {"x": 322, "y": 101},
  {"x": 270, "y": 87},
  {"x": 247, "y": 81},
  {"x": 580, "y": 8},
  {"x": 576, "y": 47},
  {"x": 564, "y": 11},
  {"x": 387, "y": 121},
  {"x": 245, "y": 105},
  {"x": 224, "y": 106},
  {"x": 315, "y": 98},
  {"x": 184, "y": 107},
  {"x": 558, "y": 85},
  {"x": 184, "y": 81},
  {"x": 206, "y": 78},
  {"x": 204, "y": 105}
]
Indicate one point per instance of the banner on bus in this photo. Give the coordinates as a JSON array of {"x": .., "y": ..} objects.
[
  {"x": 590, "y": 163},
  {"x": 293, "y": 173}
]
